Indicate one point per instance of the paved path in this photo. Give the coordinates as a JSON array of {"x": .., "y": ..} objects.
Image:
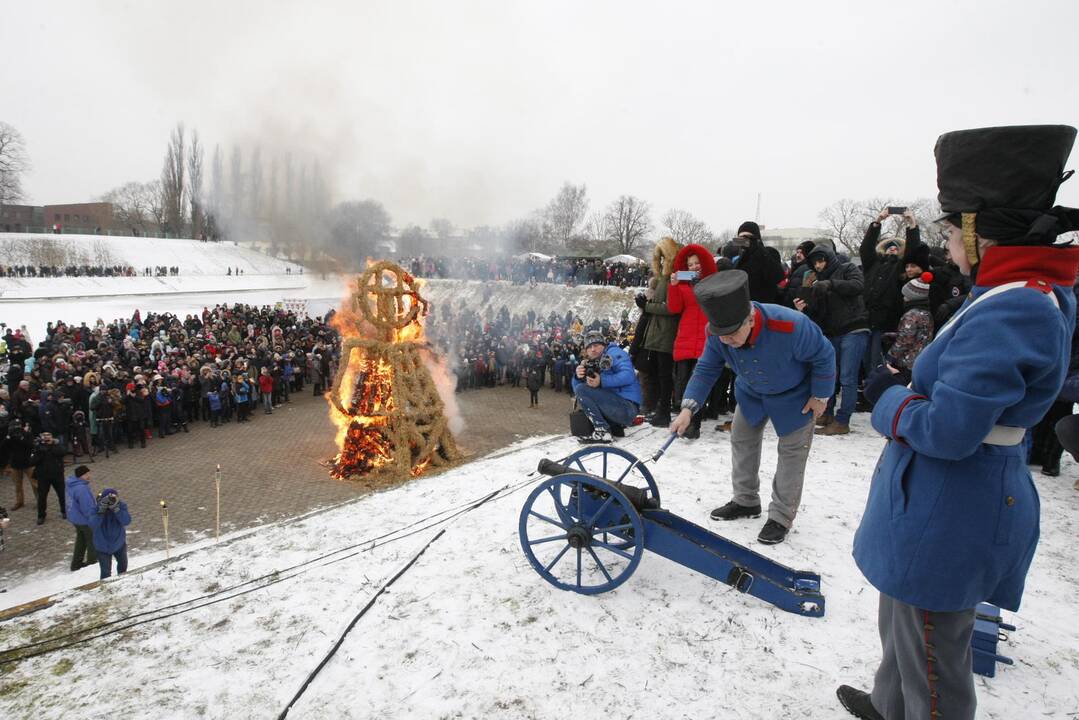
[{"x": 270, "y": 470}]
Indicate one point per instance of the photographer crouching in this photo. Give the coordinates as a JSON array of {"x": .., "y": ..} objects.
[{"x": 606, "y": 387}]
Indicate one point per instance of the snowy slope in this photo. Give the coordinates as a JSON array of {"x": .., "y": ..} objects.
[
  {"x": 472, "y": 631},
  {"x": 191, "y": 256}
]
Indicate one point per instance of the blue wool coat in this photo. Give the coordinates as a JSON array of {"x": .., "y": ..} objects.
[
  {"x": 80, "y": 503},
  {"x": 787, "y": 361},
  {"x": 108, "y": 528},
  {"x": 950, "y": 521},
  {"x": 620, "y": 377}
]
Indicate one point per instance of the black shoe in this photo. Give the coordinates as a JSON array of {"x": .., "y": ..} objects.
[
  {"x": 734, "y": 511},
  {"x": 692, "y": 432},
  {"x": 772, "y": 533},
  {"x": 1051, "y": 469},
  {"x": 660, "y": 420},
  {"x": 857, "y": 703},
  {"x": 41, "y": 521},
  {"x": 618, "y": 430}
]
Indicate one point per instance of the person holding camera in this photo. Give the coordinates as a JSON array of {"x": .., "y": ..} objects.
[
  {"x": 785, "y": 370},
  {"x": 692, "y": 264},
  {"x": 48, "y": 460},
  {"x": 605, "y": 386},
  {"x": 81, "y": 506},
  {"x": 108, "y": 522}
]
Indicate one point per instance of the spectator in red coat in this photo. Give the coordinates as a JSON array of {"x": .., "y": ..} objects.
[
  {"x": 266, "y": 388},
  {"x": 689, "y": 342}
]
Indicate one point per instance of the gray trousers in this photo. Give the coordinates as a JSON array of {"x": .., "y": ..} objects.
[
  {"x": 746, "y": 443},
  {"x": 925, "y": 672}
]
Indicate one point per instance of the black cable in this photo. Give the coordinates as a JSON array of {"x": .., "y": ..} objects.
[
  {"x": 360, "y": 614},
  {"x": 269, "y": 575},
  {"x": 367, "y": 607},
  {"x": 464, "y": 509}
]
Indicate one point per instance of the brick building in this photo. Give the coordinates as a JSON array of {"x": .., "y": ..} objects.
[{"x": 20, "y": 218}]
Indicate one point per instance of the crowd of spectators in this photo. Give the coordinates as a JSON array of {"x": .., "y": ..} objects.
[
  {"x": 491, "y": 348},
  {"x": 50, "y": 271},
  {"x": 87, "y": 389},
  {"x": 531, "y": 270}
]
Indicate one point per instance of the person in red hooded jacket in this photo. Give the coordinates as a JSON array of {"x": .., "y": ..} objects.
[{"x": 689, "y": 342}]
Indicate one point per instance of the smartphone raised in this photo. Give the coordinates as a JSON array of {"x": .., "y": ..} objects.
[
  {"x": 687, "y": 275},
  {"x": 896, "y": 210}
]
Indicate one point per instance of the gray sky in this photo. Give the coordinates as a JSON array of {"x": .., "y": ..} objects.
[{"x": 478, "y": 111}]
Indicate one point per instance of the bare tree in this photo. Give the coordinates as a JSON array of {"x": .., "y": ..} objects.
[
  {"x": 686, "y": 229},
  {"x": 254, "y": 185},
  {"x": 565, "y": 212},
  {"x": 173, "y": 187},
  {"x": 596, "y": 228},
  {"x": 155, "y": 204},
  {"x": 14, "y": 161},
  {"x": 628, "y": 222},
  {"x": 194, "y": 175},
  {"x": 236, "y": 176},
  {"x": 443, "y": 229},
  {"x": 132, "y": 206},
  {"x": 844, "y": 223}
]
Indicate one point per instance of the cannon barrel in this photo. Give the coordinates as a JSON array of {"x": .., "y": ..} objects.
[
  {"x": 550, "y": 467},
  {"x": 639, "y": 497}
]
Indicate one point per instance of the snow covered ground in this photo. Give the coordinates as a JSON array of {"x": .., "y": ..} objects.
[
  {"x": 191, "y": 256},
  {"x": 472, "y": 631}
]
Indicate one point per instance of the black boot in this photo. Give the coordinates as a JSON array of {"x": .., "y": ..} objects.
[
  {"x": 660, "y": 419},
  {"x": 734, "y": 511},
  {"x": 618, "y": 430},
  {"x": 857, "y": 703},
  {"x": 693, "y": 431},
  {"x": 1051, "y": 468}
]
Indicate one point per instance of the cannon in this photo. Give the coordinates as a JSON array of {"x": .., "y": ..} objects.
[{"x": 585, "y": 526}]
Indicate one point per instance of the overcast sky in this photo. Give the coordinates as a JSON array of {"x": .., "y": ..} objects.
[{"x": 478, "y": 111}]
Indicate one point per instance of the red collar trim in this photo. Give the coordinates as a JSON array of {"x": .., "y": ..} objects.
[
  {"x": 758, "y": 325},
  {"x": 1003, "y": 264}
]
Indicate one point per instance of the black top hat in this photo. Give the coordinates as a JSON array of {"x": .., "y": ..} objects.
[
  {"x": 724, "y": 298},
  {"x": 1017, "y": 167}
]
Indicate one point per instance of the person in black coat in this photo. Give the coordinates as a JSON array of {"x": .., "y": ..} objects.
[
  {"x": 135, "y": 415},
  {"x": 18, "y": 447},
  {"x": 48, "y": 461},
  {"x": 765, "y": 269},
  {"x": 884, "y": 267}
]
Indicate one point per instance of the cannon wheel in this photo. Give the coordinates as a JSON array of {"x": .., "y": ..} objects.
[
  {"x": 613, "y": 464},
  {"x": 570, "y": 551}
]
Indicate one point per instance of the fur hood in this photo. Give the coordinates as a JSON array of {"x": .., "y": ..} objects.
[
  {"x": 898, "y": 241},
  {"x": 663, "y": 256}
]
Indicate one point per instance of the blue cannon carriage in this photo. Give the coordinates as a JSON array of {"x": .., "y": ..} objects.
[{"x": 586, "y": 525}]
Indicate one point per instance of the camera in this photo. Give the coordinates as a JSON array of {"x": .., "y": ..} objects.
[
  {"x": 896, "y": 210},
  {"x": 690, "y": 276},
  {"x": 592, "y": 368}
]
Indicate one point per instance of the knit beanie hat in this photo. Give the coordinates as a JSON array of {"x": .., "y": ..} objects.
[
  {"x": 750, "y": 227},
  {"x": 81, "y": 470},
  {"x": 918, "y": 288}
]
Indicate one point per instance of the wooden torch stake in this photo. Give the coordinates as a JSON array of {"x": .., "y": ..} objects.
[
  {"x": 217, "y": 517},
  {"x": 165, "y": 521}
]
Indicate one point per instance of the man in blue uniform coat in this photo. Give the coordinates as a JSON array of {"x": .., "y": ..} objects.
[
  {"x": 952, "y": 514},
  {"x": 785, "y": 371}
]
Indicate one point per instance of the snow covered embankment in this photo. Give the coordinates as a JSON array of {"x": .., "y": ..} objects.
[{"x": 203, "y": 266}]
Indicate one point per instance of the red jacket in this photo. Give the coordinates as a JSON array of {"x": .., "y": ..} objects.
[
  {"x": 689, "y": 343},
  {"x": 266, "y": 384}
]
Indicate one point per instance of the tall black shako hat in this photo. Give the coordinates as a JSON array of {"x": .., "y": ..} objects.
[
  {"x": 1001, "y": 183},
  {"x": 724, "y": 298}
]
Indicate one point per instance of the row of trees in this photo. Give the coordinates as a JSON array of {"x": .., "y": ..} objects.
[{"x": 844, "y": 222}]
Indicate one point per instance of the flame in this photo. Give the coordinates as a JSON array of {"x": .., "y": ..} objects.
[{"x": 366, "y": 389}]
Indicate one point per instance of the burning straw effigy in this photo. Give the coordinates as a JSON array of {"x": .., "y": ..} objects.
[{"x": 394, "y": 422}]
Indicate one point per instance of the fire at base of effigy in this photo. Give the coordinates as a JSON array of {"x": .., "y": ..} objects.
[{"x": 392, "y": 423}]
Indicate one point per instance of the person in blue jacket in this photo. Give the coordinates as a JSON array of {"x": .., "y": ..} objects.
[
  {"x": 785, "y": 371},
  {"x": 606, "y": 386},
  {"x": 109, "y": 520},
  {"x": 80, "y": 506},
  {"x": 952, "y": 514}
]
